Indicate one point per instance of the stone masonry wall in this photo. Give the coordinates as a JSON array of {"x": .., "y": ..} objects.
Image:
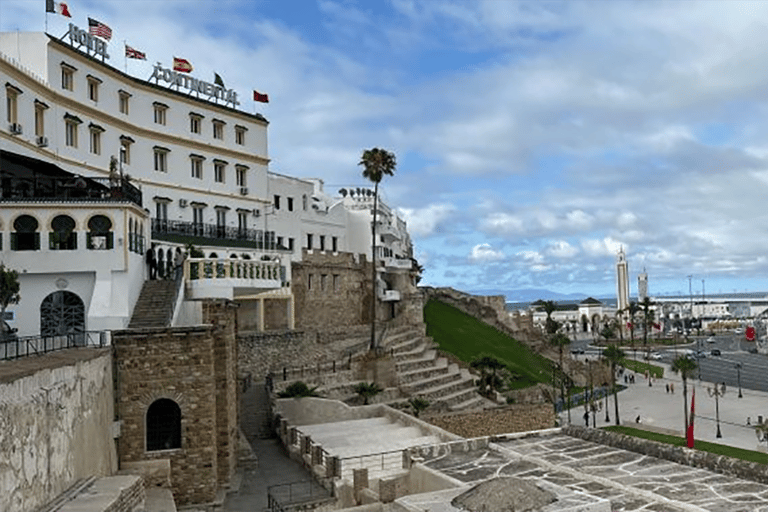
[
  {"x": 221, "y": 315},
  {"x": 511, "y": 418},
  {"x": 176, "y": 364},
  {"x": 331, "y": 290},
  {"x": 56, "y": 414}
]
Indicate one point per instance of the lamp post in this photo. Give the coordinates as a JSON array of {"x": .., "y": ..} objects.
[
  {"x": 607, "y": 416},
  {"x": 738, "y": 376},
  {"x": 717, "y": 392}
]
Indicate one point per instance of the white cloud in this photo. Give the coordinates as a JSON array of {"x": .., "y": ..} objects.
[
  {"x": 503, "y": 223},
  {"x": 562, "y": 249},
  {"x": 484, "y": 253},
  {"x": 605, "y": 247},
  {"x": 426, "y": 221}
]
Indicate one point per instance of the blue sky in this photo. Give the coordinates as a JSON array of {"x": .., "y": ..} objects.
[{"x": 533, "y": 138}]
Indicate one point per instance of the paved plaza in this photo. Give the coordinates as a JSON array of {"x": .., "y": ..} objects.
[{"x": 661, "y": 410}]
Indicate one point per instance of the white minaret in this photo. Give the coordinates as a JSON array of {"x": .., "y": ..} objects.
[
  {"x": 642, "y": 286},
  {"x": 622, "y": 281}
]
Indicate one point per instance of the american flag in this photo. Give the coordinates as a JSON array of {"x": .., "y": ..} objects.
[
  {"x": 97, "y": 28},
  {"x": 133, "y": 53}
]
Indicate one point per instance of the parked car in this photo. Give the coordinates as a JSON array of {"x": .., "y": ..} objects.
[
  {"x": 715, "y": 352},
  {"x": 656, "y": 356},
  {"x": 711, "y": 339}
]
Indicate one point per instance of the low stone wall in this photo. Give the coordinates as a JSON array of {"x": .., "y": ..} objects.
[
  {"x": 694, "y": 458},
  {"x": 511, "y": 418}
]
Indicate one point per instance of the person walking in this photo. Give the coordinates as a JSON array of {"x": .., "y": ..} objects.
[
  {"x": 151, "y": 263},
  {"x": 178, "y": 262}
]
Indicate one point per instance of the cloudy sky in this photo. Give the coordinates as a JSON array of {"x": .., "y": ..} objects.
[{"x": 533, "y": 139}]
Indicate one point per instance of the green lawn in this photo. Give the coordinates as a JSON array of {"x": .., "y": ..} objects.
[
  {"x": 465, "y": 337},
  {"x": 718, "y": 449}
]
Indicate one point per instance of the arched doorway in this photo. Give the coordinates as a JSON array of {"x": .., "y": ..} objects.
[
  {"x": 62, "y": 313},
  {"x": 163, "y": 425}
]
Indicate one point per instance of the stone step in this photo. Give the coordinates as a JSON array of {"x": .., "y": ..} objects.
[
  {"x": 154, "y": 306},
  {"x": 425, "y": 361},
  {"x": 415, "y": 353},
  {"x": 436, "y": 393},
  {"x": 476, "y": 402},
  {"x": 417, "y": 387},
  {"x": 411, "y": 343},
  {"x": 440, "y": 368},
  {"x": 348, "y": 426}
]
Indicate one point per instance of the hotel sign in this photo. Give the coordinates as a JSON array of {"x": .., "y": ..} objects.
[
  {"x": 192, "y": 84},
  {"x": 79, "y": 37}
]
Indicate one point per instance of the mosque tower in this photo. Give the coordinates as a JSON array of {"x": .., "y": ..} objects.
[
  {"x": 642, "y": 286},
  {"x": 622, "y": 281}
]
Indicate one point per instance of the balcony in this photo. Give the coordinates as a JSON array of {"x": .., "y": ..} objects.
[
  {"x": 184, "y": 232},
  {"x": 387, "y": 232},
  {"x": 75, "y": 189},
  {"x": 393, "y": 264},
  {"x": 389, "y": 295},
  {"x": 225, "y": 278}
]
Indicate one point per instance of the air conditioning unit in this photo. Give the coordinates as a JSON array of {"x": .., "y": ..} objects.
[
  {"x": 256, "y": 212},
  {"x": 42, "y": 141},
  {"x": 243, "y": 191},
  {"x": 15, "y": 128},
  {"x": 183, "y": 203}
]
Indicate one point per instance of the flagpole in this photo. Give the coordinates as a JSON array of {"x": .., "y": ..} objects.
[{"x": 125, "y": 56}]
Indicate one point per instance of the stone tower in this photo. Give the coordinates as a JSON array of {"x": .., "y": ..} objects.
[
  {"x": 622, "y": 281},
  {"x": 642, "y": 286}
]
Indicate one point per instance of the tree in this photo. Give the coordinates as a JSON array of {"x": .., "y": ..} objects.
[
  {"x": 418, "y": 404},
  {"x": 685, "y": 366},
  {"x": 613, "y": 356},
  {"x": 560, "y": 340},
  {"x": 367, "y": 390},
  {"x": 376, "y": 163},
  {"x": 9, "y": 288},
  {"x": 632, "y": 310},
  {"x": 647, "y": 319},
  {"x": 549, "y": 307},
  {"x": 489, "y": 379},
  {"x": 298, "y": 389}
]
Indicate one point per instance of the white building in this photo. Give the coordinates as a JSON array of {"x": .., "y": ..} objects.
[{"x": 97, "y": 167}]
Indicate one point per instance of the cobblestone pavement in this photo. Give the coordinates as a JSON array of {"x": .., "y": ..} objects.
[{"x": 630, "y": 481}]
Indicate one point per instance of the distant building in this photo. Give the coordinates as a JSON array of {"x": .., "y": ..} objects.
[
  {"x": 622, "y": 281},
  {"x": 642, "y": 286}
]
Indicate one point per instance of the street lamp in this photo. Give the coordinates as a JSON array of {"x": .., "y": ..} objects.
[
  {"x": 607, "y": 417},
  {"x": 717, "y": 392},
  {"x": 738, "y": 376}
]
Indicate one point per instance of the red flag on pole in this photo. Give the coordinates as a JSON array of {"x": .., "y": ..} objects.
[
  {"x": 689, "y": 430},
  {"x": 182, "y": 65},
  {"x": 263, "y": 98}
]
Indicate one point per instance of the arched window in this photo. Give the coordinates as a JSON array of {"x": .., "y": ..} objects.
[
  {"x": 163, "y": 425},
  {"x": 62, "y": 236},
  {"x": 100, "y": 236},
  {"x": 25, "y": 236},
  {"x": 62, "y": 313}
]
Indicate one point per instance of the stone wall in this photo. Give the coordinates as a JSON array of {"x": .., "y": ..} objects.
[
  {"x": 196, "y": 368},
  {"x": 489, "y": 309},
  {"x": 694, "y": 458},
  {"x": 56, "y": 415},
  {"x": 511, "y": 418}
]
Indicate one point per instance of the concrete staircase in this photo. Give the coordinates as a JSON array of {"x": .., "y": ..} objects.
[
  {"x": 375, "y": 443},
  {"x": 155, "y": 304},
  {"x": 422, "y": 373}
]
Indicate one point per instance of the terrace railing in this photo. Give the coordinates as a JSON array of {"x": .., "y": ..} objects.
[
  {"x": 212, "y": 234},
  {"x": 69, "y": 189},
  {"x": 13, "y": 347}
]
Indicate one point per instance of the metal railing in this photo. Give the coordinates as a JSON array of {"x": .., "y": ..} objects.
[
  {"x": 222, "y": 268},
  {"x": 15, "y": 347},
  {"x": 70, "y": 189},
  {"x": 293, "y": 495},
  {"x": 248, "y": 237}
]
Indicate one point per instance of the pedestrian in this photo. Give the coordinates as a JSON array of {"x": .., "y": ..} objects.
[
  {"x": 667, "y": 388},
  {"x": 626, "y": 379},
  {"x": 637, "y": 420},
  {"x": 672, "y": 387},
  {"x": 749, "y": 423},
  {"x": 151, "y": 263},
  {"x": 178, "y": 262},
  {"x": 586, "y": 418}
]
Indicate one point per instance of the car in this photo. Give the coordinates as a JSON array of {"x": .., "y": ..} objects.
[
  {"x": 711, "y": 339},
  {"x": 577, "y": 351},
  {"x": 656, "y": 356},
  {"x": 715, "y": 352},
  {"x": 701, "y": 354}
]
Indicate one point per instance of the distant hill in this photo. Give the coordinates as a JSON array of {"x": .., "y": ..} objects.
[{"x": 532, "y": 294}]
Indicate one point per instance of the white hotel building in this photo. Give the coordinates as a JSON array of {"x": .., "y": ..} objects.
[{"x": 188, "y": 169}]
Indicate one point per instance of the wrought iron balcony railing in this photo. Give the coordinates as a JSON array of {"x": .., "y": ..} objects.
[
  {"x": 69, "y": 189},
  {"x": 201, "y": 233}
]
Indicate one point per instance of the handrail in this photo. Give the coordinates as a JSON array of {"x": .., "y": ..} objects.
[{"x": 18, "y": 347}]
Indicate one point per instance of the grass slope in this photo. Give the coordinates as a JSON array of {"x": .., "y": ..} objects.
[
  {"x": 718, "y": 449},
  {"x": 466, "y": 338}
]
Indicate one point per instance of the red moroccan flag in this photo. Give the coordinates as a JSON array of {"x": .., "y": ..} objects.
[
  {"x": 263, "y": 98},
  {"x": 689, "y": 430},
  {"x": 182, "y": 65}
]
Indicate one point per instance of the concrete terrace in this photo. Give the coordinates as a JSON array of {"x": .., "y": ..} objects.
[{"x": 629, "y": 481}]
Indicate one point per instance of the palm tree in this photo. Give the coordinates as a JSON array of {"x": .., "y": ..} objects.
[
  {"x": 685, "y": 366},
  {"x": 560, "y": 340},
  {"x": 367, "y": 390},
  {"x": 647, "y": 319},
  {"x": 489, "y": 380},
  {"x": 613, "y": 356},
  {"x": 376, "y": 163},
  {"x": 549, "y": 307}
]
